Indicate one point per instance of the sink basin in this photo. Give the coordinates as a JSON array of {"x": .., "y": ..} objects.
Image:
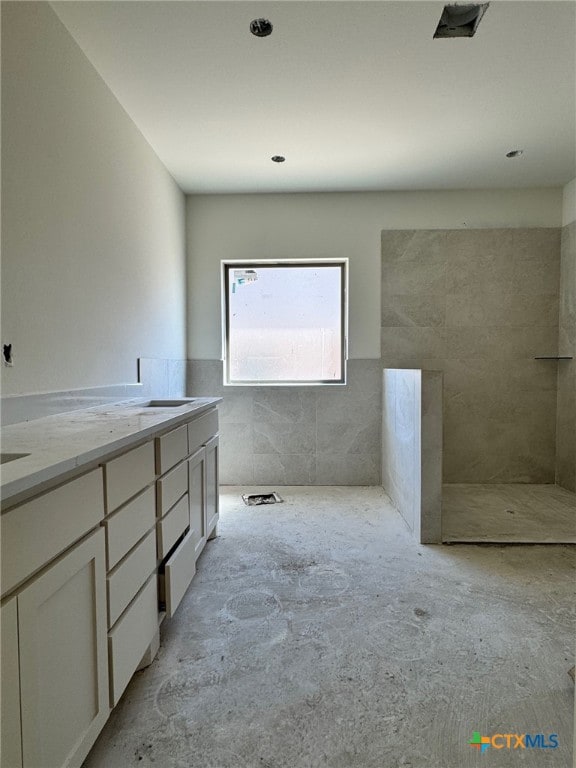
[
  {"x": 170, "y": 403},
  {"x": 6, "y": 457}
]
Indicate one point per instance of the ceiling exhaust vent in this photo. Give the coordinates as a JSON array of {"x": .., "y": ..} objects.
[{"x": 460, "y": 20}]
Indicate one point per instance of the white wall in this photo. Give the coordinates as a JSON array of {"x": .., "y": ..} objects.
[
  {"x": 333, "y": 225},
  {"x": 93, "y": 240},
  {"x": 569, "y": 203}
]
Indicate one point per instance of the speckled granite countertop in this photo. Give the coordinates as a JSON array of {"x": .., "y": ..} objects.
[{"x": 60, "y": 444}]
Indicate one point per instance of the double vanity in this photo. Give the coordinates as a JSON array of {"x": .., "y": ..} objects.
[{"x": 105, "y": 512}]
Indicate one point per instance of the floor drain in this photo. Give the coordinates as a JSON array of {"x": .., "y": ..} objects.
[{"x": 252, "y": 499}]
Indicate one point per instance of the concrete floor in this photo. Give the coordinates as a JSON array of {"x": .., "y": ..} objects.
[
  {"x": 317, "y": 632},
  {"x": 508, "y": 512}
]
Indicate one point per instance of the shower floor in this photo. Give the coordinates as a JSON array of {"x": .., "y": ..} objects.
[{"x": 508, "y": 512}]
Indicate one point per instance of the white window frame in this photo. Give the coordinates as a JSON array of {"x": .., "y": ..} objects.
[{"x": 229, "y": 264}]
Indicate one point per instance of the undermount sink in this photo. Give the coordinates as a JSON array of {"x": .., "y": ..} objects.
[
  {"x": 6, "y": 457},
  {"x": 170, "y": 403}
]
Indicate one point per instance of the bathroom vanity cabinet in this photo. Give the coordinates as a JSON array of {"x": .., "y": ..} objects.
[
  {"x": 90, "y": 568},
  {"x": 54, "y": 658},
  {"x": 132, "y": 616}
]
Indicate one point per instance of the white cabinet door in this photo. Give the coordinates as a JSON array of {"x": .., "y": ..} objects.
[
  {"x": 10, "y": 734},
  {"x": 180, "y": 570},
  {"x": 197, "y": 497},
  {"x": 63, "y": 658},
  {"x": 212, "y": 489}
]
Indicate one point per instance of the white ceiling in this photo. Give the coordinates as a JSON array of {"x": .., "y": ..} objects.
[{"x": 356, "y": 95}]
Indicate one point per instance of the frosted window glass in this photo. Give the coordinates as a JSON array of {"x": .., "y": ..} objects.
[{"x": 285, "y": 323}]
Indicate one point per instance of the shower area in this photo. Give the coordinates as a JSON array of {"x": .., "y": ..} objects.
[{"x": 493, "y": 310}]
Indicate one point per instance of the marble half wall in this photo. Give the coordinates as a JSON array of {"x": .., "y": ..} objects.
[
  {"x": 325, "y": 435},
  {"x": 412, "y": 448},
  {"x": 566, "y": 411},
  {"x": 480, "y": 305}
]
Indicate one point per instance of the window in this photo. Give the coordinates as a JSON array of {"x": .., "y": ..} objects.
[{"x": 284, "y": 322}]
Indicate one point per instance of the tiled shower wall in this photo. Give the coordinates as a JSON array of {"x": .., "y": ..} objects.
[
  {"x": 479, "y": 305},
  {"x": 297, "y": 435},
  {"x": 566, "y": 418}
]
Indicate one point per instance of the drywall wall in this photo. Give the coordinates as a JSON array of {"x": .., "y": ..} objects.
[
  {"x": 93, "y": 237},
  {"x": 333, "y": 225}
]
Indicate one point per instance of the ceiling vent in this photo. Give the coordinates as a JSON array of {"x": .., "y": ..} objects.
[{"x": 460, "y": 20}]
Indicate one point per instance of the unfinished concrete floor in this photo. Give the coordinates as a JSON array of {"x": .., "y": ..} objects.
[
  {"x": 508, "y": 512},
  {"x": 317, "y": 632}
]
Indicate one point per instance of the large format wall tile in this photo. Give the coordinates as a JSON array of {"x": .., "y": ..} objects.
[
  {"x": 412, "y": 343},
  {"x": 400, "y": 278},
  {"x": 285, "y": 469},
  {"x": 284, "y": 437},
  {"x": 204, "y": 378},
  {"x": 297, "y": 435},
  {"x": 337, "y": 438},
  {"x": 566, "y": 414},
  {"x": 283, "y": 405},
  {"x": 349, "y": 469},
  {"x": 568, "y": 277},
  {"x": 463, "y": 311},
  {"x": 236, "y": 453},
  {"x": 345, "y": 405},
  {"x": 405, "y": 309},
  {"x": 479, "y": 306},
  {"x": 412, "y": 448}
]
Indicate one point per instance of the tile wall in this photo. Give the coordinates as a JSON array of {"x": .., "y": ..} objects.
[
  {"x": 412, "y": 448},
  {"x": 479, "y": 305},
  {"x": 297, "y": 435},
  {"x": 566, "y": 416},
  {"x": 161, "y": 377}
]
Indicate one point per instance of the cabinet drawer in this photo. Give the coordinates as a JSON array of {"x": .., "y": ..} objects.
[
  {"x": 171, "y": 448},
  {"x": 178, "y": 574},
  {"x": 36, "y": 532},
  {"x": 130, "y": 638},
  {"x": 127, "y": 578},
  {"x": 197, "y": 498},
  {"x": 171, "y": 487},
  {"x": 128, "y": 474},
  {"x": 171, "y": 527},
  {"x": 127, "y": 526},
  {"x": 200, "y": 430}
]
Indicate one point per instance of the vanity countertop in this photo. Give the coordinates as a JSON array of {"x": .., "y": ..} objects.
[{"x": 59, "y": 445}]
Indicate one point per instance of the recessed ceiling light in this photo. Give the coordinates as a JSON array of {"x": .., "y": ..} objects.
[
  {"x": 515, "y": 153},
  {"x": 278, "y": 159},
  {"x": 261, "y": 27}
]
